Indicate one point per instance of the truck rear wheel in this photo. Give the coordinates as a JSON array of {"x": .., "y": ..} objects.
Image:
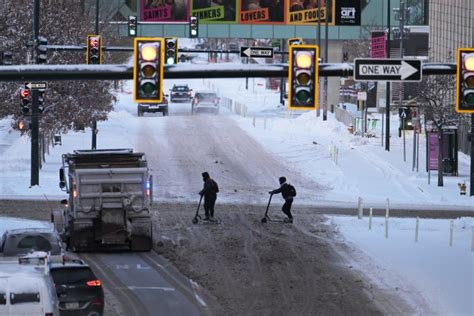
[{"x": 141, "y": 243}]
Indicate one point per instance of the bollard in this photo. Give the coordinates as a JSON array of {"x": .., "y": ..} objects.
[
  {"x": 386, "y": 226},
  {"x": 417, "y": 228},
  {"x": 253, "y": 121},
  {"x": 337, "y": 155},
  {"x": 370, "y": 219},
  {"x": 387, "y": 207},
  {"x": 472, "y": 242},
  {"x": 360, "y": 212},
  {"x": 451, "y": 233}
]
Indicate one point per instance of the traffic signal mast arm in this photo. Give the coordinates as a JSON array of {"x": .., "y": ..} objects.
[{"x": 182, "y": 71}]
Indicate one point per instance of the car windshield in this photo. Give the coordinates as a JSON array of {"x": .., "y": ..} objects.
[
  {"x": 72, "y": 276},
  {"x": 180, "y": 88},
  {"x": 206, "y": 97},
  {"x": 22, "y": 244}
]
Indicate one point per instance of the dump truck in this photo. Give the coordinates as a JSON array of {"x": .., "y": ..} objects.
[{"x": 110, "y": 197}]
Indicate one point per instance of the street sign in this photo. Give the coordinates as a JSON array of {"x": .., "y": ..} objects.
[
  {"x": 36, "y": 85},
  {"x": 406, "y": 70},
  {"x": 256, "y": 52}
]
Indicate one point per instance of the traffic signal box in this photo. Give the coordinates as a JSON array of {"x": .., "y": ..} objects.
[
  {"x": 94, "y": 49},
  {"x": 295, "y": 41},
  {"x": 148, "y": 69},
  {"x": 42, "y": 52},
  {"x": 303, "y": 77},
  {"x": 465, "y": 81},
  {"x": 25, "y": 100},
  {"x": 171, "y": 50},
  {"x": 132, "y": 26},
  {"x": 193, "y": 27}
]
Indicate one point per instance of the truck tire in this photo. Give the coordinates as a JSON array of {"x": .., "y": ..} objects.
[
  {"x": 141, "y": 243},
  {"x": 140, "y": 113}
]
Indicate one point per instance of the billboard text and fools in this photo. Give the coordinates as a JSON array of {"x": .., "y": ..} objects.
[
  {"x": 164, "y": 10},
  {"x": 214, "y": 11},
  {"x": 262, "y": 11},
  {"x": 307, "y": 13}
]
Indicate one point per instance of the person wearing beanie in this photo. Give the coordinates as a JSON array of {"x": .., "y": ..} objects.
[{"x": 209, "y": 191}]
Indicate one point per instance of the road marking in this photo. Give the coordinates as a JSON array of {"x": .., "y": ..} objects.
[{"x": 162, "y": 288}]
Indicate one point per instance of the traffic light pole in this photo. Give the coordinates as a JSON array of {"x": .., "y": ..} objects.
[
  {"x": 472, "y": 156},
  {"x": 94, "y": 122},
  {"x": 387, "y": 97},
  {"x": 35, "y": 111}
]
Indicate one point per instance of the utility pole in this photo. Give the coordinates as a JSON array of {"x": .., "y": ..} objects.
[
  {"x": 282, "y": 80},
  {"x": 34, "y": 107},
  {"x": 387, "y": 97},
  {"x": 319, "y": 45},
  {"x": 402, "y": 13},
  {"x": 326, "y": 31},
  {"x": 94, "y": 122}
]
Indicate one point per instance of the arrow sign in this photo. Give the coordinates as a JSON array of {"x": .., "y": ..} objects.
[
  {"x": 376, "y": 69},
  {"x": 256, "y": 52},
  {"x": 36, "y": 85}
]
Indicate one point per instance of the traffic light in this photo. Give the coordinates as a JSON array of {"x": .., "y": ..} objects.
[
  {"x": 171, "y": 50},
  {"x": 465, "y": 81},
  {"x": 41, "y": 100},
  {"x": 303, "y": 77},
  {"x": 42, "y": 52},
  {"x": 25, "y": 100},
  {"x": 295, "y": 41},
  {"x": 132, "y": 25},
  {"x": 148, "y": 69},
  {"x": 193, "y": 27},
  {"x": 94, "y": 49}
]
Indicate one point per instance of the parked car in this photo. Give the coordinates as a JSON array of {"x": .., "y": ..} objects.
[
  {"x": 180, "y": 93},
  {"x": 26, "y": 288},
  {"x": 79, "y": 291},
  {"x": 20, "y": 242},
  {"x": 153, "y": 107},
  {"x": 205, "y": 102}
]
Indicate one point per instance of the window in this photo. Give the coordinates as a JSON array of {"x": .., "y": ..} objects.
[
  {"x": 3, "y": 298},
  {"x": 35, "y": 242},
  {"x": 21, "y": 298},
  {"x": 72, "y": 276}
]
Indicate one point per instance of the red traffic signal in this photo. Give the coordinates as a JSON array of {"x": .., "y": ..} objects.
[
  {"x": 94, "y": 49},
  {"x": 24, "y": 93}
]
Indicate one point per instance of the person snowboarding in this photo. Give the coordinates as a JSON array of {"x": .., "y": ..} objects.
[
  {"x": 209, "y": 191},
  {"x": 288, "y": 192}
]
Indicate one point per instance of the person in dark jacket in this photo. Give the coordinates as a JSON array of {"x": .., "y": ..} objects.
[
  {"x": 209, "y": 191},
  {"x": 285, "y": 191}
]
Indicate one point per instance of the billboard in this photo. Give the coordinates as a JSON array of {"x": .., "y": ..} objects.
[
  {"x": 214, "y": 11},
  {"x": 262, "y": 11},
  {"x": 164, "y": 10},
  {"x": 348, "y": 12},
  {"x": 305, "y": 12}
]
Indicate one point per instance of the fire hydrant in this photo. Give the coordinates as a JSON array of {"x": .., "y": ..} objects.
[
  {"x": 462, "y": 188},
  {"x": 350, "y": 129}
]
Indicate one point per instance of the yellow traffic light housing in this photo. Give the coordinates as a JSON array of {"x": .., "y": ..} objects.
[
  {"x": 295, "y": 41},
  {"x": 465, "y": 81},
  {"x": 148, "y": 69},
  {"x": 94, "y": 49},
  {"x": 171, "y": 50},
  {"x": 303, "y": 77}
]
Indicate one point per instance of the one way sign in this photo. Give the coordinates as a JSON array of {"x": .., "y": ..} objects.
[
  {"x": 406, "y": 70},
  {"x": 256, "y": 52}
]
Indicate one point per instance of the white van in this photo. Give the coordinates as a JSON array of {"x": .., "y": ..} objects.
[{"x": 26, "y": 288}]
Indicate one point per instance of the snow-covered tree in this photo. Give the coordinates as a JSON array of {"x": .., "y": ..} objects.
[{"x": 69, "y": 105}]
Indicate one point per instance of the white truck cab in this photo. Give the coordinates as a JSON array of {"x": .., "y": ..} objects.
[{"x": 26, "y": 287}]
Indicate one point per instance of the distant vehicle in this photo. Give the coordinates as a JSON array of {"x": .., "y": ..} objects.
[
  {"x": 180, "y": 93},
  {"x": 26, "y": 288},
  {"x": 110, "y": 197},
  {"x": 153, "y": 107},
  {"x": 79, "y": 291},
  {"x": 20, "y": 242},
  {"x": 205, "y": 102}
]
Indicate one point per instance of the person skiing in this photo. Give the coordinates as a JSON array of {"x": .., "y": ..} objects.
[
  {"x": 288, "y": 192},
  {"x": 209, "y": 191}
]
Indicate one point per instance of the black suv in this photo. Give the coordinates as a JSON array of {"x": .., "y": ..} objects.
[
  {"x": 180, "y": 93},
  {"x": 78, "y": 289},
  {"x": 153, "y": 107}
]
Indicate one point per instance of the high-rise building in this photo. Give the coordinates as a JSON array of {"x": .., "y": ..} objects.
[{"x": 451, "y": 26}]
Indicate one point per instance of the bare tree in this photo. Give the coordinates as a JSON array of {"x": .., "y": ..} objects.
[
  {"x": 436, "y": 96},
  {"x": 69, "y": 105}
]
